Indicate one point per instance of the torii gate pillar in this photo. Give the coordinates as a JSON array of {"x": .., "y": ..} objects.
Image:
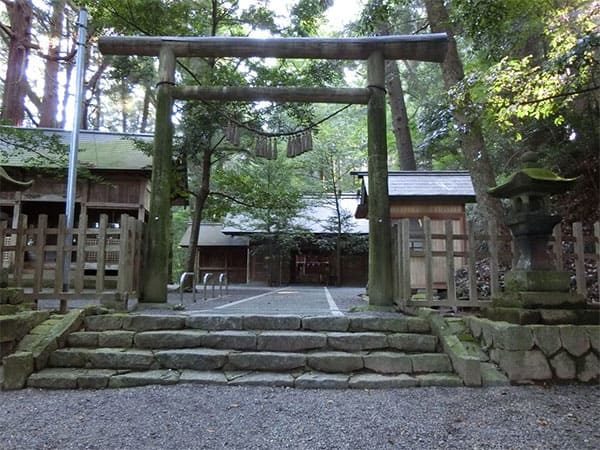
[
  {"x": 157, "y": 243},
  {"x": 380, "y": 289}
]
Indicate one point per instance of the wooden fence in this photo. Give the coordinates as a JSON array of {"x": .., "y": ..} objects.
[
  {"x": 100, "y": 259},
  {"x": 447, "y": 258}
]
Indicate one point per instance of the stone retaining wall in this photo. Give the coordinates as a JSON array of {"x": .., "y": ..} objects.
[{"x": 541, "y": 352}]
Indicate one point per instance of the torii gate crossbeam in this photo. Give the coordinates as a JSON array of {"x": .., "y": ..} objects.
[{"x": 429, "y": 47}]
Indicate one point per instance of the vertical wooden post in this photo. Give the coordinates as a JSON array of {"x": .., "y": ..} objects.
[
  {"x": 494, "y": 270},
  {"x": 450, "y": 276},
  {"x": 597, "y": 245},
  {"x": 380, "y": 230},
  {"x": 155, "y": 273},
  {"x": 406, "y": 282},
  {"x": 473, "y": 294},
  {"x": 59, "y": 267},
  {"x": 557, "y": 247},
  {"x": 124, "y": 265},
  {"x": 3, "y": 227},
  {"x": 579, "y": 258},
  {"x": 396, "y": 260},
  {"x": 80, "y": 260},
  {"x": 101, "y": 253},
  {"x": 248, "y": 268},
  {"x": 40, "y": 245},
  {"x": 20, "y": 243},
  {"x": 428, "y": 253}
]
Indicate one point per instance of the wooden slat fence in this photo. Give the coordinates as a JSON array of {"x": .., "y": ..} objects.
[
  {"x": 473, "y": 259},
  {"x": 102, "y": 259}
]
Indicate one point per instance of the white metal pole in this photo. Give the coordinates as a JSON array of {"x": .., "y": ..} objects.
[{"x": 72, "y": 175}]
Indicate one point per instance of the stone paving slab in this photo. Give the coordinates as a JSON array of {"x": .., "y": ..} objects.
[
  {"x": 58, "y": 378},
  {"x": 377, "y": 381},
  {"x": 358, "y": 341},
  {"x": 111, "y": 358},
  {"x": 321, "y": 380},
  {"x": 335, "y": 362},
  {"x": 264, "y": 379},
  {"x": 290, "y": 341},
  {"x": 410, "y": 342},
  {"x": 439, "y": 379},
  {"x": 388, "y": 362},
  {"x": 169, "y": 339},
  {"x": 326, "y": 323},
  {"x": 134, "y": 379},
  {"x": 267, "y": 361},
  {"x": 203, "y": 377},
  {"x": 192, "y": 358},
  {"x": 431, "y": 362},
  {"x": 230, "y": 339},
  {"x": 271, "y": 322}
]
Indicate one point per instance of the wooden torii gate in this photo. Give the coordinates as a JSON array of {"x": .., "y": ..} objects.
[{"x": 375, "y": 50}]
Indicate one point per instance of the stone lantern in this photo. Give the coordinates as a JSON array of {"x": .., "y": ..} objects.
[{"x": 535, "y": 292}]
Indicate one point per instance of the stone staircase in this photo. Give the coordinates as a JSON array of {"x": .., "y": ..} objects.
[{"x": 353, "y": 351}]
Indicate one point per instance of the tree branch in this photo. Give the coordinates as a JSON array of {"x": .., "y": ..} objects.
[
  {"x": 564, "y": 94},
  {"x": 33, "y": 97},
  {"x": 6, "y": 31},
  {"x": 235, "y": 200}
]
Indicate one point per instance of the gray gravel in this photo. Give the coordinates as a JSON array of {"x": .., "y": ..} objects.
[{"x": 197, "y": 417}]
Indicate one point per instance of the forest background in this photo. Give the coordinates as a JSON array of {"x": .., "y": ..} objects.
[{"x": 520, "y": 77}]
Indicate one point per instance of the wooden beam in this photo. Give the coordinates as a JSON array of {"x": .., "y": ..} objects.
[
  {"x": 282, "y": 94},
  {"x": 420, "y": 47}
]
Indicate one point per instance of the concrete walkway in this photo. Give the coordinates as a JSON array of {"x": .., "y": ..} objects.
[
  {"x": 244, "y": 299},
  {"x": 285, "y": 300}
]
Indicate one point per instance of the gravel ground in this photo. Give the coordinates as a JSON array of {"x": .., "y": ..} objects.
[{"x": 198, "y": 417}]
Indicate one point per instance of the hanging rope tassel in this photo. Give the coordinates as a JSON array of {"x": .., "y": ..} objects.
[
  {"x": 309, "y": 141},
  {"x": 236, "y": 136}
]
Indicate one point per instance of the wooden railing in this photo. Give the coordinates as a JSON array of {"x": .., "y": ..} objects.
[
  {"x": 99, "y": 259},
  {"x": 427, "y": 274}
]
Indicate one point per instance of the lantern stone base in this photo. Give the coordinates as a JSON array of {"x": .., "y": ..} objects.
[
  {"x": 541, "y": 297},
  {"x": 531, "y": 316},
  {"x": 538, "y": 280}
]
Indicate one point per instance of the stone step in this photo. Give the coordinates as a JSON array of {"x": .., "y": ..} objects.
[
  {"x": 268, "y": 361},
  {"x": 62, "y": 378},
  {"x": 271, "y": 340},
  {"x": 211, "y": 322}
]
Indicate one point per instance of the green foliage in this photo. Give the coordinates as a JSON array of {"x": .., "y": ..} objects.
[
  {"x": 32, "y": 148},
  {"x": 264, "y": 191},
  {"x": 180, "y": 222},
  {"x": 306, "y": 16}
]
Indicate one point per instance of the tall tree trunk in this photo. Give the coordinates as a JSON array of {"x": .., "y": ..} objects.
[
  {"x": 471, "y": 138},
  {"x": 124, "y": 107},
  {"x": 68, "y": 78},
  {"x": 393, "y": 83},
  {"x": 200, "y": 201},
  {"x": 49, "y": 112},
  {"x": 145, "y": 109},
  {"x": 404, "y": 146},
  {"x": 20, "y": 13}
]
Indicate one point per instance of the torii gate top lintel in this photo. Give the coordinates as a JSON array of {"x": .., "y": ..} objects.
[{"x": 420, "y": 47}]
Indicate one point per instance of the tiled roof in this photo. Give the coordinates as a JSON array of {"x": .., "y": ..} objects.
[
  {"x": 427, "y": 184},
  {"x": 97, "y": 150},
  {"x": 211, "y": 235},
  {"x": 313, "y": 219}
]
